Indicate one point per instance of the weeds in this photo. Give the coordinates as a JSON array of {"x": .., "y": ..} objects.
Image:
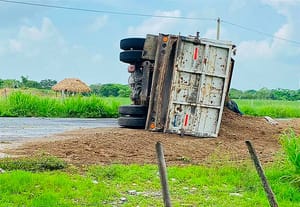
[
  {"x": 20, "y": 104},
  {"x": 225, "y": 184},
  {"x": 34, "y": 164},
  {"x": 291, "y": 145}
]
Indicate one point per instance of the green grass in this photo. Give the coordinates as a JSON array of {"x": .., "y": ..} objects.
[
  {"x": 275, "y": 109},
  {"x": 40, "y": 103},
  {"x": 21, "y": 188},
  {"x": 21, "y": 104},
  {"x": 228, "y": 184},
  {"x": 34, "y": 164},
  {"x": 119, "y": 100},
  {"x": 291, "y": 145}
]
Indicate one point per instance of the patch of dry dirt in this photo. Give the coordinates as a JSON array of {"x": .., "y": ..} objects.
[{"x": 121, "y": 145}]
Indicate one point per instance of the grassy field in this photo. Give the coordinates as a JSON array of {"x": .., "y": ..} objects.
[
  {"x": 227, "y": 184},
  {"x": 275, "y": 109},
  {"x": 44, "y": 103},
  {"x": 22, "y": 104}
]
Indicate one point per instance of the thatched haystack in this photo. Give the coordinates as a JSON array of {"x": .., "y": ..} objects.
[{"x": 71, "y": 85}]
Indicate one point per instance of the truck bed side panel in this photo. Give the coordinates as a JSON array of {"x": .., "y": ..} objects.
[{"x": 199, "y": 86}]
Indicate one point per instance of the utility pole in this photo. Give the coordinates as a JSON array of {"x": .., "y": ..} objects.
[{"x": 218, "y": 28}]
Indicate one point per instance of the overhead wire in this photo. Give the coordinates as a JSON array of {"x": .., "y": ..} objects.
[
  {"x": 106, "y": 11},
  {"x": 260, "y": 32},
  {"x": 154, "y": 16}
]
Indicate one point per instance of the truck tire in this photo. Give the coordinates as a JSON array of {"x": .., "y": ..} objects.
[
  {"x": 133, "y": 110},
  {"x": 132, "y": 122},
  {"x": 131, "y": 56},
  {"x": 132, "y": 44}
]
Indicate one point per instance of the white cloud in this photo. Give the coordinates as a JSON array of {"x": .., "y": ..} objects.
[
  {"x": 15, "y": 45},
  {"x": 99, "y": 23},
  {"x": 290, "y": 10},
  {"x": 282, "y": 6},
  {"x": 281, "y": 2},
  {"x": 268, "y": 48},
  {"x": 279, "y": 46},
  {"x": 210, "y": 33},
  {"x": 31, "y": 40},
  {"x": 237, "y": 5},
  {"x": 156, "y": 25},
  {"x": 46, "y": 31},
  {"x": 285, "y": 32},
  {"x": 31, "y": 33},
  {"x": 252, "y": 49},
  {"x": 41, "y": 51}
]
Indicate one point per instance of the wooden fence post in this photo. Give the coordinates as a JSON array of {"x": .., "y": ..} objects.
[
  {"x": 260, "y": 171},
  {"x": 163, "y": 174}
]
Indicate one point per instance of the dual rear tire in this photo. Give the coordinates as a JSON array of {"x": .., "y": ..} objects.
[
  {"x": 132, "y": 116},
  {"x": 132, "y": 44},
  {"x": 133, "y": 50}
]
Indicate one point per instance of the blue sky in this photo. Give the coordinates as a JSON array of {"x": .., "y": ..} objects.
[{"x": 41, "y": 42}]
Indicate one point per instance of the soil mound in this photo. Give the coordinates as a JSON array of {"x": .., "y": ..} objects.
[{"x": 121, "y": 145}]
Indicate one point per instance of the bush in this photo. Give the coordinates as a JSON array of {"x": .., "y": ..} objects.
[
  {"x": 291, "y": 145},
  {"x": 34, "y": 164}
]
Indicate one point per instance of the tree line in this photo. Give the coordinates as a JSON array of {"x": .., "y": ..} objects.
[
  {"x": 105, "y": 90},
  {"x": 123, "y": 90},
  {"x": 264, "y": 93},
  {"x": 111, "y": 89},
  {"x": 25, "y": 82}
]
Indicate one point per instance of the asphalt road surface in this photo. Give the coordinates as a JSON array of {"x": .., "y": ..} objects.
[{"x": 17, "y": 129}]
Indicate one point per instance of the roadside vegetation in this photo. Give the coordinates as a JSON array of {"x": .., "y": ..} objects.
[
  {"x": 273, "y": 108},
  {"x": 44, "y": 87},
  {"x": 50, "y": 181},
  {"x": 27, "y": 97},
  {"x": 291, "y": 145},
  {"x": 37, "y": 103},
  {"x": 223, "y": 183},
  {"x": 266, "y": 94},
  {"x": 46, "y": 103},
  {"x": 277, "y": 103},
  {"x": 22, "y": 104}
]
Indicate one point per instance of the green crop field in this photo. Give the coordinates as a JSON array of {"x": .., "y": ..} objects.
[
  {"x": 275, "y": 109},
  {"x": 45, "y": 103},
  {"x": 24, "y": 104}
]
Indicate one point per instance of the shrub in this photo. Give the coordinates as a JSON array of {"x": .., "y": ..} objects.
[
  {"x": 291, "y": 145},
  {"x": 34, "y": 164}
]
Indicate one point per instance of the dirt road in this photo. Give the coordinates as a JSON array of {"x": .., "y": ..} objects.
[{"x": 120, "y": 145}]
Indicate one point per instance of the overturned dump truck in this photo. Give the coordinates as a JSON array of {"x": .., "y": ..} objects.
[{"x": 179, "y": 84}]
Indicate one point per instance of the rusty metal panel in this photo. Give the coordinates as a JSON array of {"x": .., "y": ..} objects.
[
  {"x": 161, "y": 82},
  {"x": 146, "y": 83},
  {"x": 199, "y": 86},
  {"x": 150, "y": 47}
]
